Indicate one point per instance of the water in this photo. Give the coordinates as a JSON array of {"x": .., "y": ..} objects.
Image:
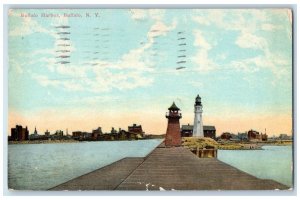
[
  {"x": 273, "y": 162},
  {"x": 43, "y": 166}
]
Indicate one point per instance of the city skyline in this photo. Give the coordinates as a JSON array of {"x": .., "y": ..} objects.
[{"x": 80, "y": 69}]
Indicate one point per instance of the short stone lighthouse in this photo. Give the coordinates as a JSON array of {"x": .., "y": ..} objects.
[
  {"x": 173, "y": 136},
  {"x": 198, "y": 124}
]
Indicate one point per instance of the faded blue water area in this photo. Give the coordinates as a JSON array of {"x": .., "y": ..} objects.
[
  {"x": 273, "y": 162},
  {"x": 42, "y": 166}
]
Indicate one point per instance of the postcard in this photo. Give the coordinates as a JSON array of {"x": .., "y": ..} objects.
[{"x": 150, "y": 99}]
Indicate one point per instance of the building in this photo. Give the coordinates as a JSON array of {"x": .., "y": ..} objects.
[
  {"x": 35, "y": 135},
  {"x": 87, "y": 135},
  {"x": 285, "y": 137},
  {"x": 47, "y": 133},
  {"x": 106, "y": 137},
  {"x": 264, "y": 137},
  {"x": 173, "y": 136},
  {"x": 123, "y": 135},
  {"x": 96, "y": 133},
  {"x": 198, "y": 124},
  {"x": 137, "y": 130},
  {"x": 19, "y": 133},
  {"x": 255, "y": 136},
  {"x": 187, "y": 130},
  {"x": 234, "y": 137},
  {"x": 226, "y": 136},
  {"x": 208, "y": 131},
  {"x": 243, "y": 136},
  {"x": 59, "y": 133},
  {"x": 77, "y": 135}
]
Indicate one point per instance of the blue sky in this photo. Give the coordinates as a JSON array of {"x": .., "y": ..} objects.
[{"x": 123, "y": 68}]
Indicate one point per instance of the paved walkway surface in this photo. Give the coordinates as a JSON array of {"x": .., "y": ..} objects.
[
  {"x": 169, "y": 169},
  {"x": 106, "y": 178}
]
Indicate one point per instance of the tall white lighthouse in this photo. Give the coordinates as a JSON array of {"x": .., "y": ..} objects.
[{"x": 198, "y": 124}]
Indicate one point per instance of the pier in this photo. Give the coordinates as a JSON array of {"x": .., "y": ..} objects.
[{"x": 173, "y": 168}]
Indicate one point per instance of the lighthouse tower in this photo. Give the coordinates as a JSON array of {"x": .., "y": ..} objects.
[
  {"x": 173, "y": 136},
  {"x": 198, "y": 124}
]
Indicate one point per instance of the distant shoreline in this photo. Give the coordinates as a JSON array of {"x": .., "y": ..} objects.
[
  {"x": 42, "y": 141},
  {"x": 220, "y": 145},
  {"x": 65, "y": 141},
  {"x": 252, "y": 145},
  {"x": 194, "y": 143}
]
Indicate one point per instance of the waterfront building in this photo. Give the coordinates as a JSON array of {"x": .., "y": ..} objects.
[
  {"x": 106, "y": 137},
  {"x": 243, "y": 136},
  {"x": 59, "y": 133},
  {"x": 198, "y": 124},
  {"x": 19, "y": 133},
  {"x": 47, "y": 133},
  {"x": 208, "y": 131},
  {"x": 173, "y": 136},
  {"x": 87, "y": 135},
  {"x": 187, "y": 130},
  {"x": 137, "y": 130},
  {"x": 113, "y": 130},
  {"x": 226, "y": 136},
  {"x": 76, "y": 134},
  {"x": 256, "y": 136},
  {"x": 123, "y": 135},
  {"x": 35, "y": 131},
  {"x": 35, "y": 135},
  {"x": 79, "y": 135},
  {"x": 285, "y": 137},
  {"x": 96, "y": 133},
  {"x": 234, "y": 137},
  {"x": 264, "y": 137}
]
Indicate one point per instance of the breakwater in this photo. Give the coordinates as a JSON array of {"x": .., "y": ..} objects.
[{"x": 174, "y": 168}]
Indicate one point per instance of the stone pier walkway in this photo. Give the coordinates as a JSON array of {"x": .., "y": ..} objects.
[{"x": 169, "y": 169}]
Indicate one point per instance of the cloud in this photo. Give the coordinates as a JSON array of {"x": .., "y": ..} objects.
[
  {"x": 28, "y": 26},
  {"x": 156, "y": 14},
  {"x": 270, "y": 27},
  {"x": 72, "y": 70},
  {"x": 201, "y": 57},
  {"x": 44, "y": 80},
  {"x": 248, "y": 24},
  {"x": 200, "y": 41},
  {"x": 201, "y": 20},
  {"x": 197, "y": 84},
  {"x": 160, "y": 28},
  {"x": 142, "y": 14},
  {"x": 138, "y": 14},
  {"x": 249, "y": 40},
  {"x": 15, "y": 66},
  {"x": 278, "y": 65},
  {"x": 128, "y": 72}
]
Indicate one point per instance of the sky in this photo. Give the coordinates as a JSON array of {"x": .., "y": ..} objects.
[{"x": 79, "y": 69}]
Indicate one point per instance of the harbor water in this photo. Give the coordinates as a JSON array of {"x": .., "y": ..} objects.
[
  {"x": 273, "y": 162},
  {"x": 43, "y": 166}
]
